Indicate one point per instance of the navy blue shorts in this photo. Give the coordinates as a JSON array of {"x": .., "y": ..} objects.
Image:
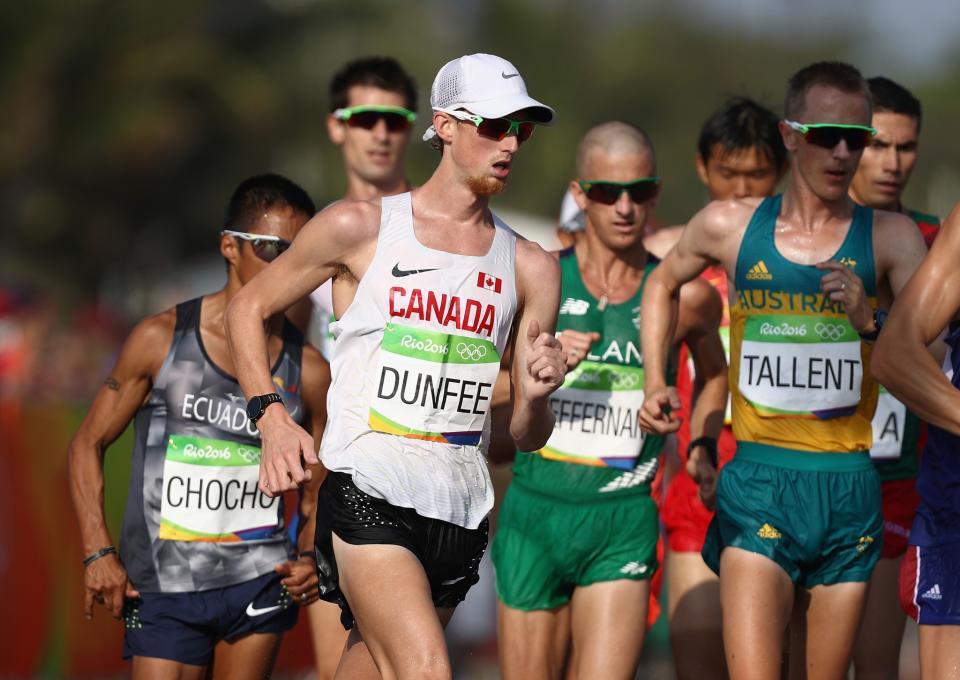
[
  {"x": 185, "y": 627},
  {"x": 930, "y": 584}
]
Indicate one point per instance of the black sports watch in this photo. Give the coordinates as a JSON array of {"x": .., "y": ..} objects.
[
  {"x": 257, "y": 405},
  {"x": 709, "y": 444},
  {"x": 879, "y": 318}
]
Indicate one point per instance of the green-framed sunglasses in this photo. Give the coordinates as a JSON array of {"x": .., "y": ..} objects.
[
  {"x": 828, "y": 135},
  {"x": 396, "y": 118},
  {"x": 606, "y": 192}
]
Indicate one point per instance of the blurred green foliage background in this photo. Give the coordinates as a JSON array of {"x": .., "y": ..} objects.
[{"x": 126, "y": 125}]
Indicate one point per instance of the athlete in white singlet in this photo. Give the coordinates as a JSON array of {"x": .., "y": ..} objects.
[{"x": 436, "y": 287}]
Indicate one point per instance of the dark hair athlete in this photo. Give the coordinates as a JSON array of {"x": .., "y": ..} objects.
[{"x": 206, "y": 575}]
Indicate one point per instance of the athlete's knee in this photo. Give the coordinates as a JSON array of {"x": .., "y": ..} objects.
[{"x": 430, "y": 666}]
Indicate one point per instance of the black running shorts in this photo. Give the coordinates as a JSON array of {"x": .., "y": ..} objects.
[{"x": 450, "y": 554}]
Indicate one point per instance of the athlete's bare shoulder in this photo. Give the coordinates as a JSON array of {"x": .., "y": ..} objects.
[
  {"x": 535, "y": 267},
  {"x": 346, "y": 222},
  {"x": 148, "y": 343},
  {"x": 662, "y": 240},
  {"x": 897, "y": 239},
  {"x": 729, "y": 214}
]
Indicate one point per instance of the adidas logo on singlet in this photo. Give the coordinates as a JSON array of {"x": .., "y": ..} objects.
[
  {"x": 769, "y": 532},
  {"x": 759, "y": 272},
  {"x": 933, "y": 594}
]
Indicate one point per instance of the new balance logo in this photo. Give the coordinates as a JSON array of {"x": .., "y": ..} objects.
[
  {"x": 634, "y": 569},
  {"x": 759, "y": 272},
  {"x": 933, "y": 593},
  {"x": 767, "y": 531},
  {"x": 574, "y": 307}
]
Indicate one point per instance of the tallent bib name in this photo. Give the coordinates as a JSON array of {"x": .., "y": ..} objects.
[{"x": 789, "y": 363}]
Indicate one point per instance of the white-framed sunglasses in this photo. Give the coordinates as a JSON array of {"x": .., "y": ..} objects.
[{"x": 267, "y": 247}]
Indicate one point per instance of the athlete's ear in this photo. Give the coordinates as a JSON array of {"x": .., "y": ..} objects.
[
  {"x": 789, "y": 139},
  {"x": 335, "y": 130},
  {"x": 702, "y": 170},
  {"x": 230, "y": 250},
  {"x": 578, "y": 196},
  {"x": 444, "y": 125}
]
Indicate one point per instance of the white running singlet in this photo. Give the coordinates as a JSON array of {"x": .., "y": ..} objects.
[{"x": 418, "y": 353}]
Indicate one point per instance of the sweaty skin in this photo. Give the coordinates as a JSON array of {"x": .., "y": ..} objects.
[{"x": 924, "y": 308}]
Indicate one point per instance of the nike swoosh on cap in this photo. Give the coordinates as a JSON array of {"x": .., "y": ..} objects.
[
  {"x": 407, "y": 272},
  {"x": 506, "y": 76},
  {"x": 451, "y": 581},
  {"x": 254, "y": 612}
]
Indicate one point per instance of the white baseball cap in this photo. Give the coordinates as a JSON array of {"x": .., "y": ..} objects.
[{"x": 486, "y": 85}]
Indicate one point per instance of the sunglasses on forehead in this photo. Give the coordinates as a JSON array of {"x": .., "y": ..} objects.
[
  {"x": 496, "y": 128},
  {"x": 828, "y": 135},
  {"x": 396, "y": 118},
  {"x": 267, "y": 248},
  {"x": 601, "y": 191}
]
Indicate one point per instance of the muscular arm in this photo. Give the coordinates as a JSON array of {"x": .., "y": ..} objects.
[
  {"x": 923, "y": 308},
  {"x": 114, "y": 406},
  {"x": 701, "y": 312},
  {"x": 695, "y": 251},
  {"x": 334, "y": 238},
  {"x": 538, "y": 366}
]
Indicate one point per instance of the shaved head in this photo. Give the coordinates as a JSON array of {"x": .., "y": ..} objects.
[{"x": 615, "y": 138}]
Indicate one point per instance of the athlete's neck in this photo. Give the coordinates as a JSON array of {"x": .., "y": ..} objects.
[
  {"x": 808, "y": 211},
  {"x": 615, "y": 274},
  {"x": 446, "y": 195},
  {"x": 359, "y": 189}
]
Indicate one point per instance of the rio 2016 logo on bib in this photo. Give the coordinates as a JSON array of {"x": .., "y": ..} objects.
[{"x": 432, "y": 385}]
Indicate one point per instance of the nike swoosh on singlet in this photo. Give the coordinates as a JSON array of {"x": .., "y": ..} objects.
[
  {"x": 253, "y": 611},
  {"x": 407, "y": 272},
  {"x": 506, "y": 76}
]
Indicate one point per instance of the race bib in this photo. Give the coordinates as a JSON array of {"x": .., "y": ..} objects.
[
  {"x": 210, "y": 493},
  {"x": 889, "y": 423},
  {"x": 432, "y": 385},
  {"x": 596, "y": 416},
  {"x": 802, "y": 366}
]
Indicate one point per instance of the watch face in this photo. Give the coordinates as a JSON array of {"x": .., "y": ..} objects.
[{"x": 254, "y": 408}]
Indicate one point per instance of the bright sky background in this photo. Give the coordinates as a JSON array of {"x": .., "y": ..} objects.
[{"x": 899, "y": 37}]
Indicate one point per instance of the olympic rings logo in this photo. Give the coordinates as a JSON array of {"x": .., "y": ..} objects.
[
  {"x": 472, "y": 352},
  {"x": 624, "y": 380},
  {"x": 249, "y": 455},
  {"x": 829, "y": 331}
]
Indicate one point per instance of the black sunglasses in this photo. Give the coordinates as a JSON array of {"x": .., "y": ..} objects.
[{"x": 640, "y": 190}]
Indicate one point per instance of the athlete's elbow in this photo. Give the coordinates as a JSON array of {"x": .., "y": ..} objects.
[{"x": 240, "y": 312}]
